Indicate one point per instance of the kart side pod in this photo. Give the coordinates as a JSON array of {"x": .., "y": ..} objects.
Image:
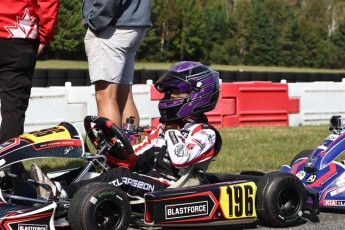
[{"x": 209, "y": 204}]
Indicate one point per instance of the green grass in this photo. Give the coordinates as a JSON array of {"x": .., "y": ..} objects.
[
  {"x": 264, "y": 148},
  {"x": 55, "y": 164},
  {"x": 245, "y": 148},
  {"x": 60, "y": 64}
]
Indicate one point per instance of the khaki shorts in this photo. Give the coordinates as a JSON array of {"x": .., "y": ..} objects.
[{"x": 111, "y": 54}]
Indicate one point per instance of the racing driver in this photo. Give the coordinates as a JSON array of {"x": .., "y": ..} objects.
[{"x": 182, "y": 138}]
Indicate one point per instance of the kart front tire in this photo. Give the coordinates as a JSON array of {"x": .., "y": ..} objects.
[
  {"x": 281, "y": 199},
  {"x": 99, "y": 206}
]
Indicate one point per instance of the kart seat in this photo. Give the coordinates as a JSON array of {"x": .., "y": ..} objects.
[{"x": 193, "y": 176}]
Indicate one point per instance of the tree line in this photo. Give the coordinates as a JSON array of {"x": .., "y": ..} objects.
[{"x": 290, "y": 33}]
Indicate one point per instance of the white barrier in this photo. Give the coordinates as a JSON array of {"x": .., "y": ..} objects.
[
  {"x": 318, "y": 102},
  {"x": 52, "y": 105}
]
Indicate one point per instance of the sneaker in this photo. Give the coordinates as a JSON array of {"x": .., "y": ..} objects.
[{"x": 43, "y": 191}]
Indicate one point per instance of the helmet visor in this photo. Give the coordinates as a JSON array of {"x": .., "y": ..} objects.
[{"x": 173, "y": 80}]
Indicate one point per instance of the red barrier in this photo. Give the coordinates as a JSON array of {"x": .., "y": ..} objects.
[{"x": 249, "y": 104}]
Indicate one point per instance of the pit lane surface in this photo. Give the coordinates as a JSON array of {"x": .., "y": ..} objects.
[{"x": 328, "y": 219}]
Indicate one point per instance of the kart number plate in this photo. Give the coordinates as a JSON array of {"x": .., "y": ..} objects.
[
  {"x": 238, "y": 201},
  {"x": 58, "y": 132}
]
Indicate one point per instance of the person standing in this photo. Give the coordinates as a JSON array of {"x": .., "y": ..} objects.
[
  {"x": 26, "y": 26},
  {"x": 115, "y": 31}
]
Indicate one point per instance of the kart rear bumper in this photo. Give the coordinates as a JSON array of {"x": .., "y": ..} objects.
[
  {"x": 313, "y": 205},
  {"x": 20, "y": 216}
]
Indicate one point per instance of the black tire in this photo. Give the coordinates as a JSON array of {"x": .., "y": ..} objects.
[
  {"x": 252, "y": 173},
  {"x": 281, "y": 199},
  {"x": 302, "y": 154},
  {"x": 99, "y": 206}
]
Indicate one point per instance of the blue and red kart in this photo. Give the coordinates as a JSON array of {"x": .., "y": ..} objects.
[
  {"x": 322, "y": 169},
  {"x": 198, "y": 198}
]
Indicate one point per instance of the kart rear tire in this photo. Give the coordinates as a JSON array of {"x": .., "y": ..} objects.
[
  {"x": 281, "y": 199},
  {"x": 252, "y": 173},
  {"x": 302, "y": 154},
  {"x": 99, "y": 206}
]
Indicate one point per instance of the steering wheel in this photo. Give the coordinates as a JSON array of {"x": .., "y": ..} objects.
[{"x": 109, "y": 130}]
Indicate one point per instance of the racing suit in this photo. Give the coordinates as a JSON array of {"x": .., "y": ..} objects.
[{"x": 167, "y": 153}]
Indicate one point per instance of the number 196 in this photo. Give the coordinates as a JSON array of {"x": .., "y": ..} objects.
[{"x": 241, "y": 200}]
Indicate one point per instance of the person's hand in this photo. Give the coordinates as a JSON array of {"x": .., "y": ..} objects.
[{"x": 40, "y": 48}]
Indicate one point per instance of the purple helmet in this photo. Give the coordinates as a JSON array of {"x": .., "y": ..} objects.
[{"x": 202, "y": 84}]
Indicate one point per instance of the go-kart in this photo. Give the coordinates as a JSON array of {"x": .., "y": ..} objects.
[
  {"x": 198, "y": 198},
  {"x": 322, "y": 169}
]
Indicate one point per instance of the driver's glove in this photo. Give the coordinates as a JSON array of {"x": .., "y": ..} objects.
[{"x": 121, "y": 159}]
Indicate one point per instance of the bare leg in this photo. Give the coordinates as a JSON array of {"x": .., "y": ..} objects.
[
  {"x": 115, "y": 102},
  {"x": 106, "y": 98},
  {"x": 126, "y": 103}
]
